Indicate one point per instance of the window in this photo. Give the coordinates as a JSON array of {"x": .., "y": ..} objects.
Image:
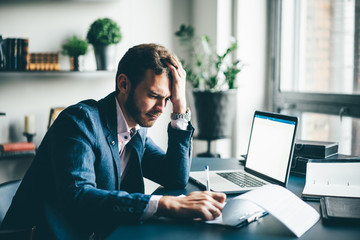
[{"x": 315, "y": 56}]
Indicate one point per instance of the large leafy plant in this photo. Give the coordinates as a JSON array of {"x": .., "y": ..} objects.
[
  {"x": 104, "y": 31},
  {"x": 208, "y": 70}
]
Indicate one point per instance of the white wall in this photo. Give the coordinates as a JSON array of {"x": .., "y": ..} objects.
[
  {"x": 213, "y": 17},
  {"x": 48, "y": 24},
  {"x": 252, "y": 42}
]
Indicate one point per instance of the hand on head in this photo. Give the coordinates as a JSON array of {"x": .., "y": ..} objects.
[
  {"x": 178, "y": 97},
  {"x": 197, "y": 205}
]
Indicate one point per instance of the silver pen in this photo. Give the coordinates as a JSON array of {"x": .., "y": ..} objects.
[{"x": 207, "y": 178}]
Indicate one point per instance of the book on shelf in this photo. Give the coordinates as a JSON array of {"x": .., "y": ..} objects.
[
  {"x": 17, "y": 146},
  {"x": 25, "y": 55},
  {"x": 17, "y": 150},
  {"x": 17, "y": 154},
  {"x": 9, "y": 53},
  {"x": 48, "y": 61},
  {"x": 16, "y": 54}
]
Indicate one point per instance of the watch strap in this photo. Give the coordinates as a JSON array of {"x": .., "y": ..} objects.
[{"x": 186, "y": 116}]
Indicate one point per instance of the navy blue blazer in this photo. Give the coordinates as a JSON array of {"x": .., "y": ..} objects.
[{"x": 73, "y": 186}]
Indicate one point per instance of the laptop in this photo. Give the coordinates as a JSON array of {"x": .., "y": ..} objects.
[{"x": 268, "y": 160}]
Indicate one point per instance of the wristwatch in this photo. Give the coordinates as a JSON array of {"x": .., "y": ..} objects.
[{"x": 186, "y": 116}]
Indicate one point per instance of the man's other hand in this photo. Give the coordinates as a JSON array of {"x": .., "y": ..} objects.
[{"x": 203, "y": 205}]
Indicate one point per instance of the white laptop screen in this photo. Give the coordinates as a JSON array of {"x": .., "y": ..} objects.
[{"x": 270, "y": 146}]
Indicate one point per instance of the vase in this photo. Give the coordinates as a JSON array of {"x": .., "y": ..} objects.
[
  {"x": 105, "y": 57},
  {"x": 215, "y": 112}
]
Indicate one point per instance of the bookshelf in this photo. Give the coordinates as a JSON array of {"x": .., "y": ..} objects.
[
  {"x": 27, "y": 92},
  {"x": 28, "y": 75}
]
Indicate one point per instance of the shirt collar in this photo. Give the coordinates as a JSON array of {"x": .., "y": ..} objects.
[{"x": 123, "y": 129}]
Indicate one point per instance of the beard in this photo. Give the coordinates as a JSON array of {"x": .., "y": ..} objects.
[{"x": 134, "y": 110}]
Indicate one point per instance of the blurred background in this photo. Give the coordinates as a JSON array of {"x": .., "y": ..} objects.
[{"x": 300, "y": 57}]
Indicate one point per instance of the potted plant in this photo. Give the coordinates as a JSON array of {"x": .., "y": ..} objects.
[
  {"x": 102, "y": 33},
  {"x": 213, "y": 77},
  {"x": 74, "y": 47}
]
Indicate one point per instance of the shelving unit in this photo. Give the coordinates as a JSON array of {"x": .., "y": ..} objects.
[{"x": 7, "y": 75}]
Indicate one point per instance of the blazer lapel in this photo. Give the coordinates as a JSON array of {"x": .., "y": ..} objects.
[
  {"x": 133, "y": 181},
  {"x": 109, "y": 119}
]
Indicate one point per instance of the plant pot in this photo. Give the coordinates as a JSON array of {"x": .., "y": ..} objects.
[
  {"x": 215, "y": 113},
  {"x": 74, "y": 63},
  {"x": 105, "y": 57}
]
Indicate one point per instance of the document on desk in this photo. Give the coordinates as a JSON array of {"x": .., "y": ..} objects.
[
  {"x": 289, "y": 209},
  {"x": 337, "y": 179}
]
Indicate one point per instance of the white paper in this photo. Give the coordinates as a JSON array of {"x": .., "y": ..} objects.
[
  {"x": 333, "y": 179},
  {"x": 290, "y": 210},
  {"x": 294, "y": 213}
]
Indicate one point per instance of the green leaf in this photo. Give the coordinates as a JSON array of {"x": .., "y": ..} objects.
[
  {"x": 104, "y": 31},
  {"x": 206, "y": 65},
  {"x": 75, "y": 46}
]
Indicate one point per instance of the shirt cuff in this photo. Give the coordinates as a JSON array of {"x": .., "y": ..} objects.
[
  {"x": 180, "y": 124},
  {"x": 152, "y": 207}
]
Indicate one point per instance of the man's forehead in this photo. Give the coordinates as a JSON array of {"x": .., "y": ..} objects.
[{"x": 157, "y": 83}]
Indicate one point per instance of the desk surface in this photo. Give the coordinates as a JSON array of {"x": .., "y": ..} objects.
[{"x": 265, "y": 228}]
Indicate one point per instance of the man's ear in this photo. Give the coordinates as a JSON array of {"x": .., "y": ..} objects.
[{"x": 123, "y": 84}]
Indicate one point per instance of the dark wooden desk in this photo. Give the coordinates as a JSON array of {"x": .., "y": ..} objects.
[{"x": 265, "y": 228}]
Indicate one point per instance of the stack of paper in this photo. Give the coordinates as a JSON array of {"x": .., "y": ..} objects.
[{"x": 294, "y": 213}]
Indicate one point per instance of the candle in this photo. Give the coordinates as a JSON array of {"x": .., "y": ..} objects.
[{"x": 30, "y": 124}]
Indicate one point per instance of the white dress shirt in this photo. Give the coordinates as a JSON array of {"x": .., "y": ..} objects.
[{"x": 124, "y": 136}]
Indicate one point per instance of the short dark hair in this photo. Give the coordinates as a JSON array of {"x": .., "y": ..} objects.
[{"x": 138, "y": 59}]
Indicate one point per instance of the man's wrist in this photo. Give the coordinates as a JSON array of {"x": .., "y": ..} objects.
[
  {"x": 166, "y": 206},
  {"x": 179, "y": 106},
  {"x": 163, "y": 206},
  {"x": 152, "y": 206}
]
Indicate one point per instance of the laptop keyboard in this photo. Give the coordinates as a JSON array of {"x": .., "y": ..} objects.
[{"x": 241, "y": 179}]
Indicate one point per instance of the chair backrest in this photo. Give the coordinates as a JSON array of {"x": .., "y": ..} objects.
[{"x": 7, "y": 192}]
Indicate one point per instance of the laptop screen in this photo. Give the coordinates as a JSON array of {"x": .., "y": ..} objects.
[{"x": 271, "y": 145}]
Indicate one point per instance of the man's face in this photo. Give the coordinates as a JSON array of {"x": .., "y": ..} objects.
[{"x": 147, "y": 101}]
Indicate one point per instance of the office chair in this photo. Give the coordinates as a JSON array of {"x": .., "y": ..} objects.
[{"x": 7, "y": 192}]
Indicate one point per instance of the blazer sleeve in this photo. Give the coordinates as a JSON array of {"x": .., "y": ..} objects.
[{"x": 170, "y": 169}]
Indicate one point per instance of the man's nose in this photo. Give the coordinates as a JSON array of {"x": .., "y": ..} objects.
[{"x": 160, "y": 105}]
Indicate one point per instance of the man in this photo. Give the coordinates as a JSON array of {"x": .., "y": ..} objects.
[{"x": 87, "y": 176}]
